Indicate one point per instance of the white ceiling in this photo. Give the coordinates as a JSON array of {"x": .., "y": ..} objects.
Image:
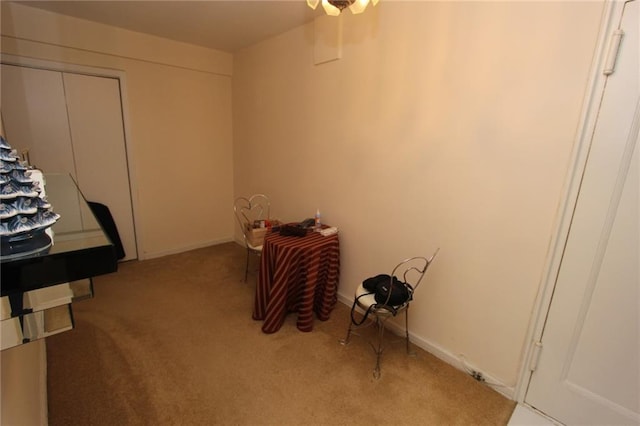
[{"x": 226, "y": 25}]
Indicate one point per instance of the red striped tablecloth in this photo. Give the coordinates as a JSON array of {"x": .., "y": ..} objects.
[{"x": 297, "y": 274}]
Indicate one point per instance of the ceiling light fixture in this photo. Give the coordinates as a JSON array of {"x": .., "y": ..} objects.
[{"x": 334, "y": 7}]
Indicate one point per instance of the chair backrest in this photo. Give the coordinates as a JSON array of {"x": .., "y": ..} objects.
[
  {"x": 413, "y": 269},
  {"x": 248, "y": 210}
]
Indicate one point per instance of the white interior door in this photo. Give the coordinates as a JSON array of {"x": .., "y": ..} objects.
[
  {"x": 589, "y": 366},
  {"x": 72, "y": 123}
]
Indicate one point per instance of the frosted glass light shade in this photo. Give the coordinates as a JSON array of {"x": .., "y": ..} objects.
[
  {"x": 334, "y": 7},
  {"x": 330, "y": 9}
]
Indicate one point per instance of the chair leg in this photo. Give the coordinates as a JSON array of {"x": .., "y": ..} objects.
[
  {"x": 406, "y": 328},
  {"x": 347, "y": 338},
  {"x": 246, "y": 268},
  {"x": 351, "y": 330},
  {"x": 379, "y": 349}
]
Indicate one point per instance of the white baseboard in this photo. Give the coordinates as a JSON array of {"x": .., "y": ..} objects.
[
  {"x": 524, "y": 415},
  {"x": 153, "y": 255},
  {"x": 443, "y": 354}
]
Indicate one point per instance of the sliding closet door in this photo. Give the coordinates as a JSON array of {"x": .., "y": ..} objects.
[
  {"x": 72, "y": 123},
  {"x": 34, "y": 113},
  {"x": 99, "y": 147}
]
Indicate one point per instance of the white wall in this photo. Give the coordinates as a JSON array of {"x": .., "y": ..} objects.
[
  {"x": 179, "y": 115},
  {"x": 445, "y": 124}
]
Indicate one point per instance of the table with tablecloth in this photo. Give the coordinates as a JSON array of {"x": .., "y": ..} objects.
[{"x": 297, "y": 274}]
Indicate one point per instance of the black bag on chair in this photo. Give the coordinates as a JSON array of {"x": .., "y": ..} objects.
[
  {"x": 379, "y": 285},
  {"x": 371, "y": 284}
]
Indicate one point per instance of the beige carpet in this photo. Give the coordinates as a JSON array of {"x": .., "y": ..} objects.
[{"x": 171, "y": 341}]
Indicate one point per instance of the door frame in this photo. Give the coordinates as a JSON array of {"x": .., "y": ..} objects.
[
  {"x": 582, "y": 143},
  {"x": 121, "y": 76}
]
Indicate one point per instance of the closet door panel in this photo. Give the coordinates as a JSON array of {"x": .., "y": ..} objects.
[
  {"x": 99, "y": 147},
  {"x": 35, "y": 117}
]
